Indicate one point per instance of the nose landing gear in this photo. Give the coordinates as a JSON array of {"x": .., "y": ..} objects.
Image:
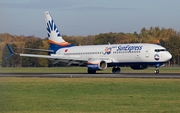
[
  {"x": 156, "y": 68},
  {"x": 156, "y": 71}
]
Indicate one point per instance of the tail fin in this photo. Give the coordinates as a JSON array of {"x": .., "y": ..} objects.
[
  {"x": 158, "y": 42},
  {"x": 55, "y": 39}
]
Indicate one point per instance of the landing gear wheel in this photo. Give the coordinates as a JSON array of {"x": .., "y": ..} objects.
[
  {"x": 91, "y": 71},
  {"x": 156, "y": 71},
  {"x": 116, "y": 70}
]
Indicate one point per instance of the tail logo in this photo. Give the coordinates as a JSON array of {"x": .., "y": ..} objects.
[{"x": 51, "y": 27}]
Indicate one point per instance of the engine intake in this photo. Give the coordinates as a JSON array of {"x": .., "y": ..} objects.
[{"x": 97, "y": 64}]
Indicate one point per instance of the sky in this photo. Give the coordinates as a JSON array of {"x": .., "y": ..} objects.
[{"x": 87, "y": 17}]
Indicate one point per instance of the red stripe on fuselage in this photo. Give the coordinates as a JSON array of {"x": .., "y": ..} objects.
[{"x": 60, "y": 44}]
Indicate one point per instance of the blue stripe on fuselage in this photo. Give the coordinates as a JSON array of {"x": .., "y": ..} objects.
[
  {"x": 129, "y": 64},
  {"x": 134, "y": 63},
  {"x": 57, "y": 47}
]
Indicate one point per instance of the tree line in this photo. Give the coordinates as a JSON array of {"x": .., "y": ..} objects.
[{"x": 168, "y": 38}]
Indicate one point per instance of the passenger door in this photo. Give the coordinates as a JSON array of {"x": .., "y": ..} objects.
[{"x": 147, "y": 52}]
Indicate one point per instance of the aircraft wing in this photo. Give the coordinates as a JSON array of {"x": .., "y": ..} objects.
[
  {"x": 61, "y": 57},
  {"x": 72, "y": 58},
  {"x": 69, "y": 59}
]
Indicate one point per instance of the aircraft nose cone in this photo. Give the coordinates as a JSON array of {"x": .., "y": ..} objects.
[{"x": 169, "y": 56}]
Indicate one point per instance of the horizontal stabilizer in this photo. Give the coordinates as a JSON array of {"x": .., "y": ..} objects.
[
  {"x": 37, "y": 56},
  {"x": 10, "y": 50},
  {"x": 41, "y": 50}
]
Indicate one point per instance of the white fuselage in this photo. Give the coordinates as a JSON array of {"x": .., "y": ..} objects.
[{"x": 149, "y": 54}]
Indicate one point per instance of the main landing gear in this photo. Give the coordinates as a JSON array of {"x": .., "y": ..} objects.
[
  {"x": 116, "y": 70},
  {"x": 91, "y": 71}
]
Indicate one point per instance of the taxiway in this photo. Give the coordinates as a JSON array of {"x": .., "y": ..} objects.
[{"x": 99, "y": 75}]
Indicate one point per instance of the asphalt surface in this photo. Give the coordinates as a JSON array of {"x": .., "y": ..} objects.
[{"x": 99, "y": 75}]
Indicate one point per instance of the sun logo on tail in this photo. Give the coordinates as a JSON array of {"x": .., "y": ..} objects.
[{"x": 52, "y": 29}]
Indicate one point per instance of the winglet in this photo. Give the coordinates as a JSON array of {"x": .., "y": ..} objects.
[{"x": 10, "y": 50}]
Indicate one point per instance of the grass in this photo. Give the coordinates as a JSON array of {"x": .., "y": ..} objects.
[
  {"x": 84, "y": 70},
  {"x": 96, "y": 95}
]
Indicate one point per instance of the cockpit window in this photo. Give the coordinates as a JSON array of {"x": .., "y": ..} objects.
[{"x": 158, "y": 50}]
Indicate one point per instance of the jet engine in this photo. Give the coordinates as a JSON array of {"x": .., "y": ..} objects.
[
  {"x": 139, "y": 67},
  {"x": 97, "y": 64}
]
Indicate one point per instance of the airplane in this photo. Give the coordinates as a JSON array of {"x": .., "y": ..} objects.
[{"x": 98, "y": 57}]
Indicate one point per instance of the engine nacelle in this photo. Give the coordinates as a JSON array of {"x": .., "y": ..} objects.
[
  {"x": 139, "y": 67},
  {"x": 97, "y": 64}
]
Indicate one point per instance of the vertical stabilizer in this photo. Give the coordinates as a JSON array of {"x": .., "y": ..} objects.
[{"x": 55, "y": 39}]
